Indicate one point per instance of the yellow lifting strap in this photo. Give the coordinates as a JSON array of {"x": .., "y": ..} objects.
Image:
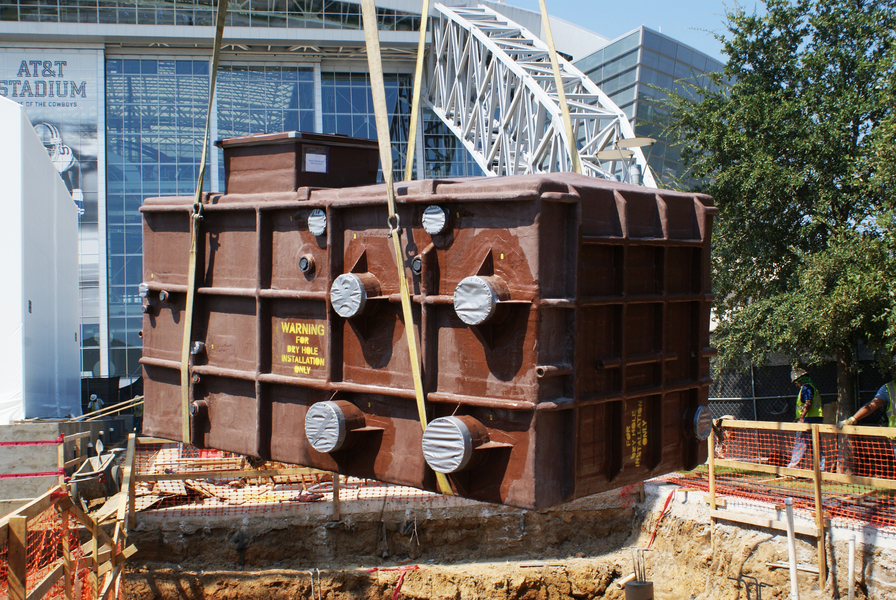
[
  {"x": 415, "y": 103},
  {"x": 561, "y": 92},
  {"x": 378, "y": 88},
  {"x": 194, "y": 229}
]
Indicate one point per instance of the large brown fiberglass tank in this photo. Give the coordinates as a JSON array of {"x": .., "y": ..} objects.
[{"x": 562, "y": 321}]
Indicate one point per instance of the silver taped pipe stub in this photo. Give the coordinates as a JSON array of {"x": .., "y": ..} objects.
[
  {"x": 325, "y": 426},
  {"x": 475, "y": 300},
  {"x": 317, "y": 222},
  {"x": 435, "y": 220},
  {"x": 447, "y": 445},
  {"x": 348, "y": 295}
]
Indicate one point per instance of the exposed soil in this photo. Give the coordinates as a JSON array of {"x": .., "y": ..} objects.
[{"x": 578, "y": 551}]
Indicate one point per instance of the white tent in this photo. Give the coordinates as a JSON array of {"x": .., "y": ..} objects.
[{"x": 39, "y": 347}]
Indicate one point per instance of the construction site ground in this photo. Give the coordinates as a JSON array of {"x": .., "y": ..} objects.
[{"x": 436, "y": 547}]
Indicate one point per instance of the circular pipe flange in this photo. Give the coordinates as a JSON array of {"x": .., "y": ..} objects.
[
  {"x": 325, "y": 426},
  {"x": 348, "y": 295},
  {"x": 475, "y": 300},
  {"x": 306, "y": 263},
  {"x": 317, "y": 222},
  {"x": 447, "y": 445},
  {"x": 702, "y": 423},
  {"x": 435, "y": 220}
]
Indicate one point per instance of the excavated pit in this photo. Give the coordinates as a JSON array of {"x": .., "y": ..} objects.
[{"x": 445, "y": 548}]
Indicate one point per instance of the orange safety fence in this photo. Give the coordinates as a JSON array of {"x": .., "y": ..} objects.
[
  {"x": 769, "y": 462},
  {"x": 203, "y": 483},
  {"x": 177, "y": 479},
  {"x": 43, "y": 548},
  {"x": 54, "y": 538}
]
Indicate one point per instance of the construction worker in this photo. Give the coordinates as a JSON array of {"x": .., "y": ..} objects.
[
  {"x": 95, "y": 403},
  {"x": 873, "y": 457},
  {"x": 808, "y": 400},
  {"x": 808, "y": 410},
  {"x": 882, "y": 399}
]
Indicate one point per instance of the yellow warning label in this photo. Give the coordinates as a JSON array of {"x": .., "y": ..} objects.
[
  {"x": 299, "y": 345},
  {"x": 636, "y": 434},
  {"x": 298, "y": 327}
]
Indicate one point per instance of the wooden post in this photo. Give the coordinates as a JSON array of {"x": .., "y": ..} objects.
[
  {"x": 819, "y": 515},
  {"x": 128, "y": 486},
  {"x": 18, "y": 556},
  {"x": 109, "y": 584},
  {"x": 336, "y": 506},
  {"x": 130, "y": 462},
  {"x": 60, "y": 455},
  {"x": 711, "y": 450},
  {"x": 712, "y": 468},
  {"x": 17, "y": 540},
  {"x": 95, "y": 570},
  {"x": 66, "y": 556}
]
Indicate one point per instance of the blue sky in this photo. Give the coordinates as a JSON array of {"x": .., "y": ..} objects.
[{"x": 688, "y": 21}]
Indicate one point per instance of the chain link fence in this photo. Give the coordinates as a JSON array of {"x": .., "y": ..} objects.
[{"x": 767, "y": 394}]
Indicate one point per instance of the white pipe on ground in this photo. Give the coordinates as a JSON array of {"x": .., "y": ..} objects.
[
  {"x": 852, "y": 567},
  {"x": 791, "y": 549}
]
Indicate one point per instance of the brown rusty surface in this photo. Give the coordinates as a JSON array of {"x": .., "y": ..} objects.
[
  {"x": 586, "y": 378},
  {"x": 279, "y": 162}
]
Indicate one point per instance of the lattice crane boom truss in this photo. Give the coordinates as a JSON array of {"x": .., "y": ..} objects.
[{"x": 493, "y": 86}]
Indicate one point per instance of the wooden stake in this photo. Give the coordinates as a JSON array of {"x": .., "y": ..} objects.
[
  {"x": 336, "y": 506},
  {"x": 126, "y": 515},
  {"x": 819, "y": 515},
  {"x": 17, "y": 556},
  {"x": 711, "y": 450},
  {"x": 60, "y": 456},
  {"x": 66, "y": 556},
  {"x": 712, "y": 469},
  {"x": 95, "y": 570}
]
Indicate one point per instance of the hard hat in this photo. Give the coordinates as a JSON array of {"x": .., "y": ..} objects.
[{"x": 796, "y": 374}]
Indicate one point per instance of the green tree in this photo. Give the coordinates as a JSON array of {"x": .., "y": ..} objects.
[{"x": 795, "y": 141}]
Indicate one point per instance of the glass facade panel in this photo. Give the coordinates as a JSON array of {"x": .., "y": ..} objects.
[
  {"x": 668, "y": 47},
  {"x": 311, "y": 14},
  {"x": 652, "y": 40},
  {"x": 650, "y": 58},
  {"x": 150, "y": 116},
  {"x": 620, "y": 64},
  {"x": 662, "y": 63},
  {"x": 684, "y": 54},
  {"x": 630, "y": 42},
  {"x": 590, "y": 62},
  {"x": 623, "y": 97},
  {"x": 348, "y": 109}
]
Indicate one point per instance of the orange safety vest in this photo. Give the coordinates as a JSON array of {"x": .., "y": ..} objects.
[{"x": 815, "y": 407}]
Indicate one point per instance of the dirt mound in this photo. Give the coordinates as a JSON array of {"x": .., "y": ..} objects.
[
  {"x": 489, "y": 552},
  {"x": 481, "y": 580}
]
